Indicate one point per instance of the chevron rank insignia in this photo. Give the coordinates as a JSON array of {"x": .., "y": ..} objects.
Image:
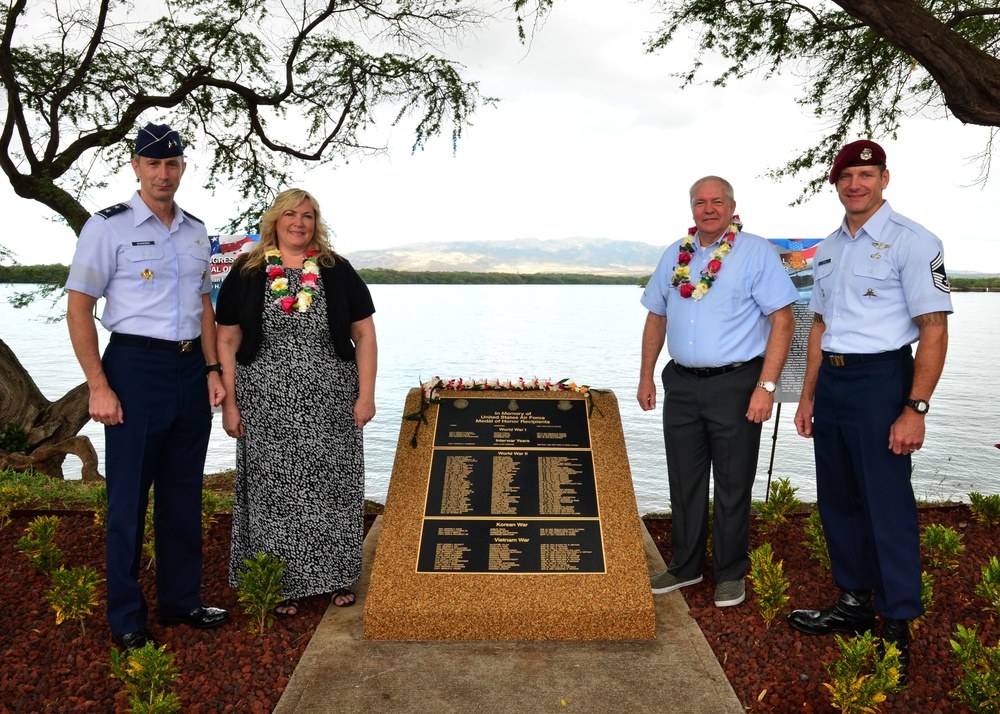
[{"x": 940, "y": 277}]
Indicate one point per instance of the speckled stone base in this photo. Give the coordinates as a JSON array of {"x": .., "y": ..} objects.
[{"x": 403, "y": 604}]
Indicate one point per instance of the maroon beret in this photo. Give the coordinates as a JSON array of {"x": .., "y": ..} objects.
[{"x": 857, "y": 153}]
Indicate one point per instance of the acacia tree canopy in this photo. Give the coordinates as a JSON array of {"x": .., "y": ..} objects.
[
  {"x": 865, "y": 64},
  {"x": 257, "y": 84}
]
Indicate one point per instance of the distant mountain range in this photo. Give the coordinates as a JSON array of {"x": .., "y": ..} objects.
[{"x": 596, "y": 256}]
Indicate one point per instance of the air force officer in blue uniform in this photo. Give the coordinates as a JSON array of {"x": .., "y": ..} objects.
[
  {"x": 880, "y": 286},
  {"x": 149, "y": 260}
]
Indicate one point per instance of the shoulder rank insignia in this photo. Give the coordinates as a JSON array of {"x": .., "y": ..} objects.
[
  {"x": 113, "y": 210},
  {"x": 939, "y": 275},
  {"x": 193, "y": 218}
]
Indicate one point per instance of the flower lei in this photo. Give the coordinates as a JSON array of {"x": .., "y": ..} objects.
[
  {"x": 682, "y": 273},
  {"x": 430, "y": 392},
  {"x": 308, "y": 283}
]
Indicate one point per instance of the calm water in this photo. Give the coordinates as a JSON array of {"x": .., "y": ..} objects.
[{"x": 590, "y": 334}]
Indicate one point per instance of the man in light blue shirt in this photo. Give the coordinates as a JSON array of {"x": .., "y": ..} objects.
[
  {"x": 149, "y": 260},
  {"x": 722, "y": 301},
  {"x": 880, "y": 285}
]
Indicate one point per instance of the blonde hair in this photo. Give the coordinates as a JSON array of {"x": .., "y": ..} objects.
[{"x": 287, "y": 199}]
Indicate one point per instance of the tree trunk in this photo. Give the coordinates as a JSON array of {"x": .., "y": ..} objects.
[
  {"x": 50, "y": 428},
  {"x": 969, "y": 77}
]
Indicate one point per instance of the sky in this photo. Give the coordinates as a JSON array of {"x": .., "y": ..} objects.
[{"x": 592, "y": 138}]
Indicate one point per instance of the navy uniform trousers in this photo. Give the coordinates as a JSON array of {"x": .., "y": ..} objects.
[
  {"x": 162, "y": 442},
  {"x": 863, "y": 489},
  {"x": 705, "y": 430}
]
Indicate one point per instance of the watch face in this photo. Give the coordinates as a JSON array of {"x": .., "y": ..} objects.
[{"x": 767, "y": 386}]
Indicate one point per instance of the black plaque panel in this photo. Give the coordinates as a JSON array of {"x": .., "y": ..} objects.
[
  {"x": 512, "y": 488},
  {"x": 519, "y": 422},
  {"x": 510, "y": 546},
  {"x": 512, "y": 482}
]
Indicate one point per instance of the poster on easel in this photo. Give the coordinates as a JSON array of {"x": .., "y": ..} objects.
[
  {"x": 225, "y": 250},
  {"x": 797, "y": 257}
]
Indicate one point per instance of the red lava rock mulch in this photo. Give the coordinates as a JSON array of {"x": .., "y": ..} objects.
[
  {"x": 772, "y": 669},
  {"x": 776, "y": 669},
  {"x": 45, "y": 667}
]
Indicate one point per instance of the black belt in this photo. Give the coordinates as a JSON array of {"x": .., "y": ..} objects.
[
  {"x": 710, "y": 371},
  {"x": 836, "y": 360},
  {"x": 153, "y": 343}
]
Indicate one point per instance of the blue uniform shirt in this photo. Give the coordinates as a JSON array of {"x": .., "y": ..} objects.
[
  {"x": 153, "y": 277},
  {"x": 870, "y": 287},
  {"x": 729, "y": 324}
]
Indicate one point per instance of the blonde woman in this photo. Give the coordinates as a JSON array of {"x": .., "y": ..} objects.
[{"x": 297, "y": 345}]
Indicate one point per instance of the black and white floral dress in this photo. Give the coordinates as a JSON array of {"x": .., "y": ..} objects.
[{"x": 300, "y": 464}]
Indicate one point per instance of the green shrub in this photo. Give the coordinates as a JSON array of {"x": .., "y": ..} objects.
[
  {"x": 73, "y": 594},
  {"x": 99, "y": 502},
  {"x": 11, "y": 498},
  {"x": 769, "y": 582},
  {"x": 860, "y": 679},
  {"x": 781, "y": 502},
  {"x": 13, "y": 439},
  {"x": 209, "y": 508},
  {"x": 259, "y": 590},
  {"x": 815, "y": 541},
  {"x": 148, "y": 674},
  {"x": 38, "y": 544},
  {"x": 979, "y": 688},
  {"x": 942, "y": 546},
  {"x": 985, "y": 509},
  {"x": 989, "y": 587}
]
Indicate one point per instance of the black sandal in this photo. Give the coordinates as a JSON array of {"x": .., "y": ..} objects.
[
  {"x": 343, "y": 594},
  {"x": 289, "y": 604}
]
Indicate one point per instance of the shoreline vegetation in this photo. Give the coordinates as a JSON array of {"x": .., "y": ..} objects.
[{"x": 56, "y": 275}]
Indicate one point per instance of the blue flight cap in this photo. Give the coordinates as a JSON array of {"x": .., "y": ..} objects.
[{"x": 158, "y": 141}]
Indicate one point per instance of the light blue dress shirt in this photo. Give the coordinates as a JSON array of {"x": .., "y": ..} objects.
[
  {"x": 729, "y": 324},
  {"x": 153, "y": 277},
  {"x": 870, "y": 287}
]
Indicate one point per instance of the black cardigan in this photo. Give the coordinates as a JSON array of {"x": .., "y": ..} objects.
[{"x": 240, "y": 302}]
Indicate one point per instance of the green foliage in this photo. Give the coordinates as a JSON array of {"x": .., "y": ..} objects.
[
  {"x": 769, "y": 582},
  {"x": 100, "y": 505},
  {"x": 942, "y": 546},
  {"x": 82, "y": 75},
  {"x": 148, "y": 674},
  {"x": 979, "y": 688},
  {"x": 259, "y": 590},
  {"x": 926, "y": 598},
  {"x": 38, "y": 544},
  {"x": 48, "y": 492},
  {"x": 780, "y": 504},
  {"x": 856, "y": 83},
  {"x": 815, "y": 541},
  {"x": 149, "y": 537},
  {"x": 73, "y": 594},
  {"x": 989, "y": 586},
  {"x": 13, "y": 439},
  {"x": 852, "y": 686},
  {"x": 959, "y": 284},
  {"x": 37, "y": 274},
  {"x": 209, "y": 507},
  {"x": 985, "y": 509},
  {"x": 11, "y": 498},
  {"x": 385, "y": 276}
]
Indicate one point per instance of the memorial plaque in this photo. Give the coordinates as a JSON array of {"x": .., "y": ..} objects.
[
  {"x": 476, "y": 477},
  {"x": 510, "y": 516}
]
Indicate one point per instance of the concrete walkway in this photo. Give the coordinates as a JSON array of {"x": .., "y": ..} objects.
[{"x": 341, "y": 672}]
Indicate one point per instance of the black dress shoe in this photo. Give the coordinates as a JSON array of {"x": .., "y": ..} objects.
[
  {"x": 897, "y": 632},
  {"x": 853, "y": 613},
  {"x": 204, "y": 618},
  {"x": 131, "y": 641}
]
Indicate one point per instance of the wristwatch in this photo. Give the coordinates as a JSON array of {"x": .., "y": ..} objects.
[
  {"x": 920, "y": 406},
  {"x": 214, "y": 368},
  {"x": 768, "y": 387}
]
